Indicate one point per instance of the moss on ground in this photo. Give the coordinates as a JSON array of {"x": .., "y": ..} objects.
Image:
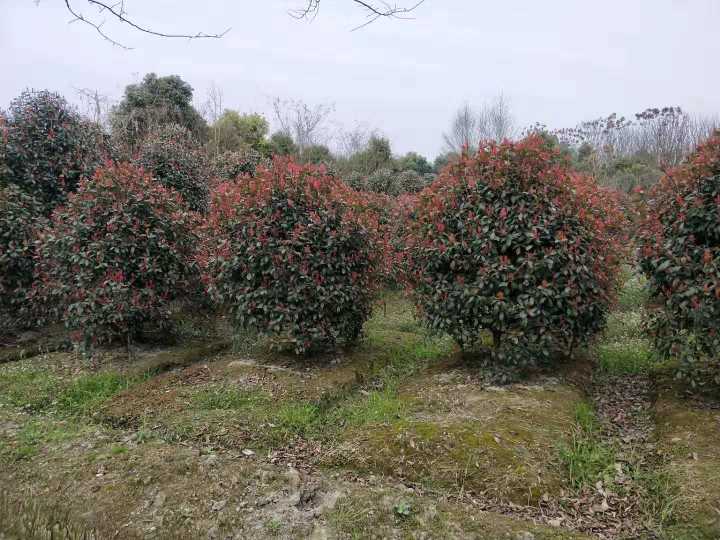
[
  {"x": 495, "y": 442},
  {"x": 689, "y": 434}
]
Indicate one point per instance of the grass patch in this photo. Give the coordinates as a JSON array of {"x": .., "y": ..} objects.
[
  {"x": 37, "y": 391},
  {"x": 30, "y": 390},
  {"x": 586, "y": 458},
  {"x": 634, "y": 293},
  {"x": 632, "y": 356},
  {"x": 34, "y": 434},
  {"x": 228, "y": 398},
  {"x": 298, "y": 418},
  {"x": 378, "y": 406},
  {"x": 85, "y": 394}
]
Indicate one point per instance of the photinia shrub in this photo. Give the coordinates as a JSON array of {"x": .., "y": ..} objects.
[
  {"x": 47, "y": 147},
  {"x": 21, "y": 217},
  {"x": 680, "y": 254},
  {"x": 296, "y": 255},
  {"x": 176, "y": 160},
  {"x": 116, "y": 256},
  {"x": 511, "y": 243}
]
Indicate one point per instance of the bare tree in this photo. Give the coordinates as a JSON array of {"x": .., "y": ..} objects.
[
  {"x": 212, "y": 108},
  {"x": 302, "y": 122},
  {"x": 463, "y": 130},
  {"x": 96, "y": 106},
  {"x": 668, "y": 134},
  {"x": 374, "y": 10},
  {"x": 495, "y": 120},
  {"x": 115, "y": 10},
  {"x": 353, "y": 141}
]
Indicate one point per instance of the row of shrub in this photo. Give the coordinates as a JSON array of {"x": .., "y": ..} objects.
[
  {"x": 508, "y": 240},
  {"x": 509, "y": 245}
]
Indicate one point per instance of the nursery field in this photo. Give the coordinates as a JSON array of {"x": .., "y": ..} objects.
[{"x": 401, "y": 437}]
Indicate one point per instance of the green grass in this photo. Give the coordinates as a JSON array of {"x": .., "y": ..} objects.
[
  {"x": 377, "y": 406},
  {"x": 31, "y": 390},
  {"x": 36, "y": 433},
  {"x": 298, "y": 418},
  {"x": 586, "y": 458},
  {"x": 628, "y": 357},
  {"x": 634, "y": 293},
  {"x": 85, "y": 394},
  {"x": 38, "y": 391}
]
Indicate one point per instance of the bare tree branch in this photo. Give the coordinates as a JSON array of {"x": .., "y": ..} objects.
[
  {"x": 117, "y": 11},
  {"x": 374, "y": 10}
]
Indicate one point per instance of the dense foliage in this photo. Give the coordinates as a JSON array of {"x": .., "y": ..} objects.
[
  {"x": 231, "y": 165},
  {"x": 47, "y": 147},
  {"x": 297, "y": 256},
  {"x": 680, "y": 254},
  {"x": 117, "y": 254},
  {"x": 173, "y": 157},
  {"x": 20, "y": 216},
  {"x": 512, "y": 242}
]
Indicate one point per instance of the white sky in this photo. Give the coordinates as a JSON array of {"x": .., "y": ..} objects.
[{"x": 558, "y": 61}]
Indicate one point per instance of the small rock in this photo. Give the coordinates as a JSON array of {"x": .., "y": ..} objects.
[
  {"x": 556, "y": 522},
  {"x": 218, "y": 505},
  {"x": 247, "y": 452}
]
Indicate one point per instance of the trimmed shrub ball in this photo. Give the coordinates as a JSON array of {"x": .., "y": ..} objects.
[
  {"x": 510, "y": 243},
  {"x": 296, "y": 255},
  {"x": 116, "y": 256}
]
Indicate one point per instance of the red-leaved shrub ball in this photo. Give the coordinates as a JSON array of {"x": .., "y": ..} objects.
[
  {"x": 294, "y": 253},
  {"x": 117, "y": 254},
  {"x": 509, "y": 242}
]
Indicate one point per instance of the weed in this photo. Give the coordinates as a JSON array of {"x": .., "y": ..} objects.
[
  {"x": 36, "y": 433},
  {"x": 273, "y": 526},
  {"x": 402, "y": 510},
  {"x": 377, "y": 406},
  {"x": 661, "y": 494},
  {"x": 586, "y": 458},
  {"x": 118, "y": 449}
]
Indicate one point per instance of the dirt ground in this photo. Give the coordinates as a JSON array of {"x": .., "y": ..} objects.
[{"x": 399, "y": 438}]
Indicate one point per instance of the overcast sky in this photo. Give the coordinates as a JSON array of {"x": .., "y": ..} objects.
[{"x": 558, "y": 61}]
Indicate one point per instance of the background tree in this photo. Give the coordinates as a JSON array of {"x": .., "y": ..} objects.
[
  {"x": 316, "y": 155},
  {"x": 492, "y": 122},
  {"x": 303, "y": 122},
  {"x": 154, "y": 102},
  {"x": 234, "y": 132},
  {"x": 463, "y": 131},
  {"x": 282, "y": 144},
  {"x": 375, "y": 156},
  {"x": 412, "y": 161}
]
